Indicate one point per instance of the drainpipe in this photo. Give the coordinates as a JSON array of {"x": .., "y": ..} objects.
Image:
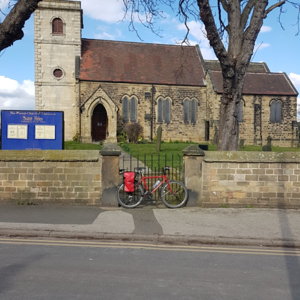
[
  {"x": 153, "y": 91},
  {"x": 79, "y": 112}
]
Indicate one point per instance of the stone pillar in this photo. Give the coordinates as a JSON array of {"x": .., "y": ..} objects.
[
  {"x": 110, "y": 174},
  {"x": 193, "y": 158}
]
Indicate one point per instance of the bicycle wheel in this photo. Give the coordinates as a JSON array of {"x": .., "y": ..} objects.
[
  {"x": 130, "y": 199},
  {"x": 174, "y": 194}
]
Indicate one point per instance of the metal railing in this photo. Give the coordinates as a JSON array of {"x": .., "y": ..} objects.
[{"x": 154, "y": 164}]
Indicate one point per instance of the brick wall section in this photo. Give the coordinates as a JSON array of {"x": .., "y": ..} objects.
[
  {"x": 66, "y": 176},
  {"x": 260, "y": 179}
]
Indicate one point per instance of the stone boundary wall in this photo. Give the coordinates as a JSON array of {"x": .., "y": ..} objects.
[
  {"x": 52, "y": 176},
  {"x": 243, "y": 179}
]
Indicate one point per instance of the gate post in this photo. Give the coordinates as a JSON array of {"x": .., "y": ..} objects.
[
  {"x": 110, "y": 174},
  {"x": 193, "y": 158}
]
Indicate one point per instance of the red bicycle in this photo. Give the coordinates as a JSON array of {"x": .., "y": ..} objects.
[{"x": 172, "y": 193}]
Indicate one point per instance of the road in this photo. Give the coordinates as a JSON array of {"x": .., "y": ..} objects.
[{"x": 69, "y": 269}]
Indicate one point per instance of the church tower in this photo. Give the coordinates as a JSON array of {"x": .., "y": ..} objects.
[{"x": 57, "y": 41}]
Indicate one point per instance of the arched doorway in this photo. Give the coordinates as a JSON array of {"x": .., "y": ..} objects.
[{"x": 99, "y": 123}]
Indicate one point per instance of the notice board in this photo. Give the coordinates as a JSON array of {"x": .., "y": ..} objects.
[{"x": 30, "y": 129}]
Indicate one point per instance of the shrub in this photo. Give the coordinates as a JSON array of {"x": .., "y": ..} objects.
[{"x": 133, "y": 131}]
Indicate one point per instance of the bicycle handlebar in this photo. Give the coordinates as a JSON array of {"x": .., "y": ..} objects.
[{"x": 140, "y": 170}]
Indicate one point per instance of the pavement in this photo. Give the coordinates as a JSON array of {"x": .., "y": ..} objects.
[{"x": 189, "y": 225}]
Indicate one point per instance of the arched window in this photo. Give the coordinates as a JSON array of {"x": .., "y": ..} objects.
[
  {"x": 57, "y": 26},
  {"x": 240, "y": 111},
  {"x": 129, "y": 109},
  {"x": 276, "y": 111},
  {"x": 190, "y": 111},
  {"x": 163, "y": 110}
]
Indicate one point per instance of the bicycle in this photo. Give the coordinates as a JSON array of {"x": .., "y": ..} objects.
[{"x": 172, "y": 193}]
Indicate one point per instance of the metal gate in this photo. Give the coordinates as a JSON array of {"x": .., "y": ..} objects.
[{"x": 154, "y": 164}]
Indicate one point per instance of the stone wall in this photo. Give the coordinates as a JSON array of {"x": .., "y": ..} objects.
[
  {"x": 67, "y": 176},
  {"x": 260, "y": 179}
]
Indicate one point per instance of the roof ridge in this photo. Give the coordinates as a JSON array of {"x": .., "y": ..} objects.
[{"x": 139, "y": 43}]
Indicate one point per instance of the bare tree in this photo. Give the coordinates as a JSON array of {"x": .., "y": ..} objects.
[
  {"x": 11, "y": 27},
  {"x": 232, "y": 27}
]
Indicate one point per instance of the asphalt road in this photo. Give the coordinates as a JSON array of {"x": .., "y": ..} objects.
[{"x": 65, "y": 269}]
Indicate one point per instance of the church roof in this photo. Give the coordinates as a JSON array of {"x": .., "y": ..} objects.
[
  {"x": 128, "y": 62},
  {"x": 259, "y": 84},
  {"x": 254, "y": 67},
  {"x": 114, "y": 61}
]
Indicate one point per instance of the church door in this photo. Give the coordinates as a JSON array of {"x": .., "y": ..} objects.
[{"x": 99, "y": 123}]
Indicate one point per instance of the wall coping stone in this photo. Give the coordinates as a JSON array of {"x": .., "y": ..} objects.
[
  {"x": 252, "y": 157},
  {"x": 193, "y": 150},
  {"x": 110, "y": 149},
  {"x": 49, "y": 155}
]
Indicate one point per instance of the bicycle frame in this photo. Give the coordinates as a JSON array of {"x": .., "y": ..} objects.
[{"x": 143, "y": 180}]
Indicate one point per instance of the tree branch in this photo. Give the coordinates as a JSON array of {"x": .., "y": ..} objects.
[
  {"x": 11, "y": 27},
  {"x": 276, "y": 5},
  {"x": 246, "y": 13},
  {"x": 224, "y": 4},
  {"x": 252, "y": 31},
  {"x": 215, "y": 41}
]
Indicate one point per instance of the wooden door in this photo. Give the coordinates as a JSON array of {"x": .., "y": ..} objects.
[{"x": 99, "y": 123}]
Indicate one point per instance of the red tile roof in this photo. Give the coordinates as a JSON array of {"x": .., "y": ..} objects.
[
  {"x": 259, "y": 84},
  {"x": 254, "y": 67},
  {"x": 114, "y": 61}
]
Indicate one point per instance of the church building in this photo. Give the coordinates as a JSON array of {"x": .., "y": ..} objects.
[{"x": 103, "y": 85}]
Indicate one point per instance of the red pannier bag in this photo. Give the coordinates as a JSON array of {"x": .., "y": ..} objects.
[{"x": 129, "y": 181}]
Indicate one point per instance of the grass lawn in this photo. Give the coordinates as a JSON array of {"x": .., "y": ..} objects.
[
  {"x": 148, "y": 149},
  {"x": 71, "y": 145},
  {"x": 172, "y": 148}
]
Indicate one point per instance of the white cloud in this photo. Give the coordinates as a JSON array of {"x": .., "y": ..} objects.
[
  {"x": 295, "y": 78},
  {"x": 265, "y": 29},
  {"x": 261, "y": 46},
  {"x": 103, "y": 10},
  {"x": 104, "y": 36},
  {"x": 198, "y": 32},
  {"x": 3, "y": 4},
  {"x": 15, "y": 95},
  {"x": 107, "y": 33}
]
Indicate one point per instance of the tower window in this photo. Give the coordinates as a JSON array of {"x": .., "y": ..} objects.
[
  {"x": 57, "y": 26},
  {"x": 240, "y": 111}
]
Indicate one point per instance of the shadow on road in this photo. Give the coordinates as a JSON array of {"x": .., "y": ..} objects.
[
  {"x": 292, "y": 262},
  {"x": 9, "y": 273}
]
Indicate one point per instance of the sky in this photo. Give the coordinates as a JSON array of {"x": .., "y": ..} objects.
[{"x": 278, "y": 44}]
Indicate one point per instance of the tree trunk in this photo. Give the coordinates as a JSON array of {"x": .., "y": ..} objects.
[
  {"x": 228, "y": 125},
  {"x": 233, "y": 81}
]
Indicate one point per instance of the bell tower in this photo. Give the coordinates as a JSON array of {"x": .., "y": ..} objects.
[{"x": 57, "y": 41}]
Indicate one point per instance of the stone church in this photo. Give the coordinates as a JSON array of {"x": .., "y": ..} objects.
[{"x": 103, "y": 85}]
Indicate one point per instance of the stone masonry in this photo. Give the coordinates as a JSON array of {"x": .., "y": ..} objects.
[
  {"x": 258, "y": 179},
  {"x": 67, "y": 176},
  {"x": 57, "y": 52}
]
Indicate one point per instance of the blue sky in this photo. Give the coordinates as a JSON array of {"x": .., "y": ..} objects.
[{"x": 102, "y": 20}]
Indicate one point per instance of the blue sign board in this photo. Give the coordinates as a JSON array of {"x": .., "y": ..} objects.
[{"x": 29, "y": 129}]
